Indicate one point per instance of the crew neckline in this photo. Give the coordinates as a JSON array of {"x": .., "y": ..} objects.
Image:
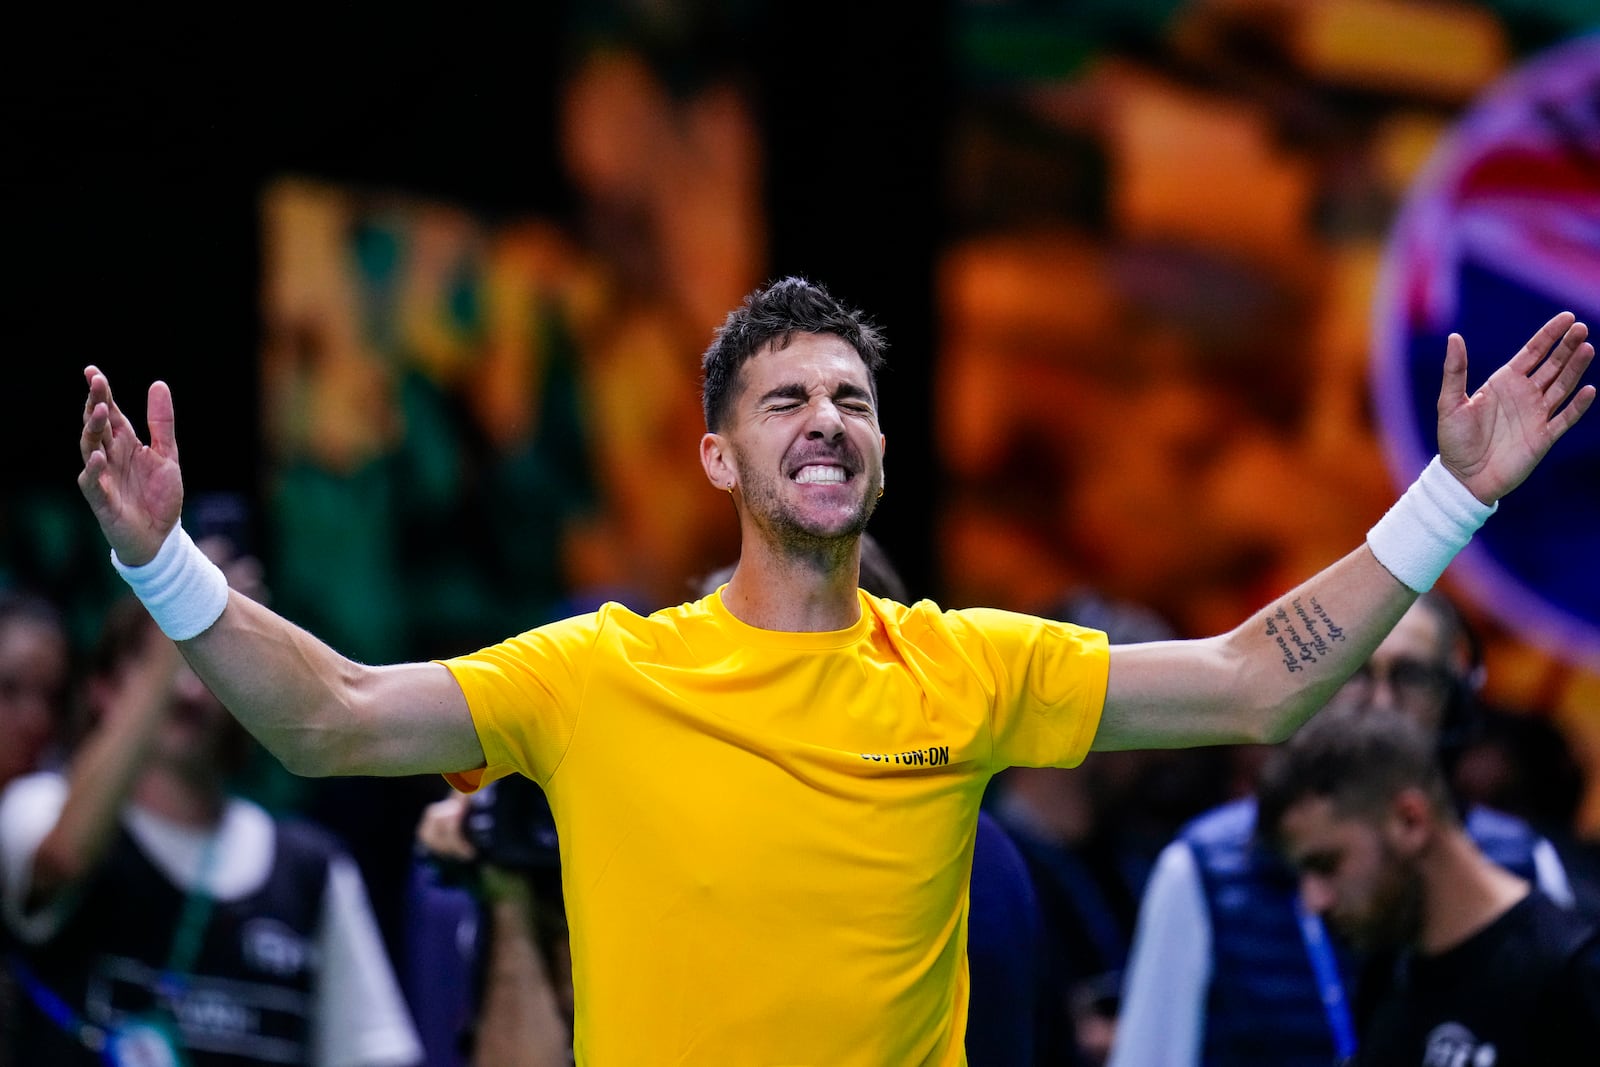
[{"x": 800, "y": 640}]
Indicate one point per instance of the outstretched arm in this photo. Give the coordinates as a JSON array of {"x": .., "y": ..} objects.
[
  {"x": 1260, "y": 681},
  {"x": 317, "y": 711}
]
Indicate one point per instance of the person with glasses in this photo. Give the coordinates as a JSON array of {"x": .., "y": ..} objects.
[
  {"x": 1227, "y": 967},
  {"x": 1410, "y": 683}
]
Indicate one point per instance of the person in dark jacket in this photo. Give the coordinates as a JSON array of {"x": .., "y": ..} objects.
[
  {"x": 1485, "y": 970},
  {"x": 1226, "y": 968}
]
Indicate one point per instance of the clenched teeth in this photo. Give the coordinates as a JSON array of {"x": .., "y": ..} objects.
[{"x": 815, "y": 473}]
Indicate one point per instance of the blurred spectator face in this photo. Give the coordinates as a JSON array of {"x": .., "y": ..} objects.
[
  {"x": 197, "y": 736},
  {"x": 1359, "y": 874},
  {"x": 197, "y": 726},
  {"x": 33, "y": 682},
  {"x": 1410, "y": 672}
]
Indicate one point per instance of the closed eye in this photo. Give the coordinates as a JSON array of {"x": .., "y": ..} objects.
[
  {"x": 1323, "y": 863},
  {"x": 783, "y": 398}
]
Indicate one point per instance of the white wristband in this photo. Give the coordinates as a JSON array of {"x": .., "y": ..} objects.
[
  {"x": 183, "y": 590},
  {"x": 1432, "y": 521}
]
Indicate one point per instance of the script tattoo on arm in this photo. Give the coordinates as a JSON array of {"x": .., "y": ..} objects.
[{"x": 1304, "y": 632}]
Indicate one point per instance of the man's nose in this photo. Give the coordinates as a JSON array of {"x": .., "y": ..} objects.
[
  {"x": 1316, "y": 894},
  {"x": 825, "y": 421},
  {"x": 1383, "y": 695}
]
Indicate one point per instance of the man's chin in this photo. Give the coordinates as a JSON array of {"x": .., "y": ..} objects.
[
  {"x": 1368, "y": 938},
  {"x": 832, "y": 523},
  {"x": 845, "y": 529}
]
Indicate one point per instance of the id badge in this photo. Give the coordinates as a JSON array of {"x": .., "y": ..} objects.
[{"x": 143, "y": 1042}]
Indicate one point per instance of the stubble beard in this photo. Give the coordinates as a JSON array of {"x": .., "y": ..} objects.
[
  {"x": 1394, "y": 915},
  {"x": 791, "y": 533}
]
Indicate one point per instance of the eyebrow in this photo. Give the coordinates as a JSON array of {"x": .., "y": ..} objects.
[{"x": 796, "y": 391}]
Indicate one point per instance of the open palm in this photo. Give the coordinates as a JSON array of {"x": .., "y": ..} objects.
[
  {"x": 135, "y": 490},
  {"x": 1494, "y": 438}
]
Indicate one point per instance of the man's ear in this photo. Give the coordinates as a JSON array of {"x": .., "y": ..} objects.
[
  {"x": 1412, "y": 821},
  {"x": 714, "y": 459},
  {"x": 98, "y": 694}
]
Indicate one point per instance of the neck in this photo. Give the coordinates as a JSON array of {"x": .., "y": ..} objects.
[
  {"x": 795, "y": 593},
  {"x": 178, "y": 799},
  {"x": 1464, "y": 892}
]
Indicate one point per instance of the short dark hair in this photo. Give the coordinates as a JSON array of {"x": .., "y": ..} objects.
[
  {"x": 773, "y": 315},
  {"x": 1356, "y": 759},
  {"x": 22, "y": 605},
  {"x": 125, "y": 634}
]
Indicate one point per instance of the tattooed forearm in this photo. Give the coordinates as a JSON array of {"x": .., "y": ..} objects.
[
  {"x": 1303, "y": 631},
  {"x": 1334, "y": 630}
]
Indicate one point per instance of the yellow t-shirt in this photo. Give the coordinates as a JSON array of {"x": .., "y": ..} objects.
[{"x": 766, "y": 838}]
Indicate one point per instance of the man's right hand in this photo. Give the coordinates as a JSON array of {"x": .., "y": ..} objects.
[
  {"x": 135, "y": 490},
  {"x": 440, "y": 833}
]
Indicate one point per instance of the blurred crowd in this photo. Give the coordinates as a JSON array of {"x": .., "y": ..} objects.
[
  {"x": 1125, "y": 912},
  {"x": 1219, "y": 179}
]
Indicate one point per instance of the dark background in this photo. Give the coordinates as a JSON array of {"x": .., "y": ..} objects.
[{"x": 139, "y": 146}]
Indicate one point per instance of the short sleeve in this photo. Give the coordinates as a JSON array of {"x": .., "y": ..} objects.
[
  {"x": 1049, "y": 683},
  {"x": 524, "y": 695},
  {"x": 29, "y": 809}
]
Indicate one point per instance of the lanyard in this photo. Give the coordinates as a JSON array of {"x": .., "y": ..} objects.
[
  {"x": 1329, "y": 985},
  {"x": 174, "y": 980},
  {"x": 55, "y": 1009},
  {"x": 192, "y": 922}
]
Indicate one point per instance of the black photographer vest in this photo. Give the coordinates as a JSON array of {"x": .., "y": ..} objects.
[{"x": 246, "y": 1000}]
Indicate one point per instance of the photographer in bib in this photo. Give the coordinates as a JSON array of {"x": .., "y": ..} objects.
[{"x": 160, "y": 920}]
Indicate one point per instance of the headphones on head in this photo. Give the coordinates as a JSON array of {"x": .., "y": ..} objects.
[{"x": 1461, "y": 721}]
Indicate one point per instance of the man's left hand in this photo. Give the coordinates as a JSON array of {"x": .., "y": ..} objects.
[{"x": 1494, "y": 438}]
